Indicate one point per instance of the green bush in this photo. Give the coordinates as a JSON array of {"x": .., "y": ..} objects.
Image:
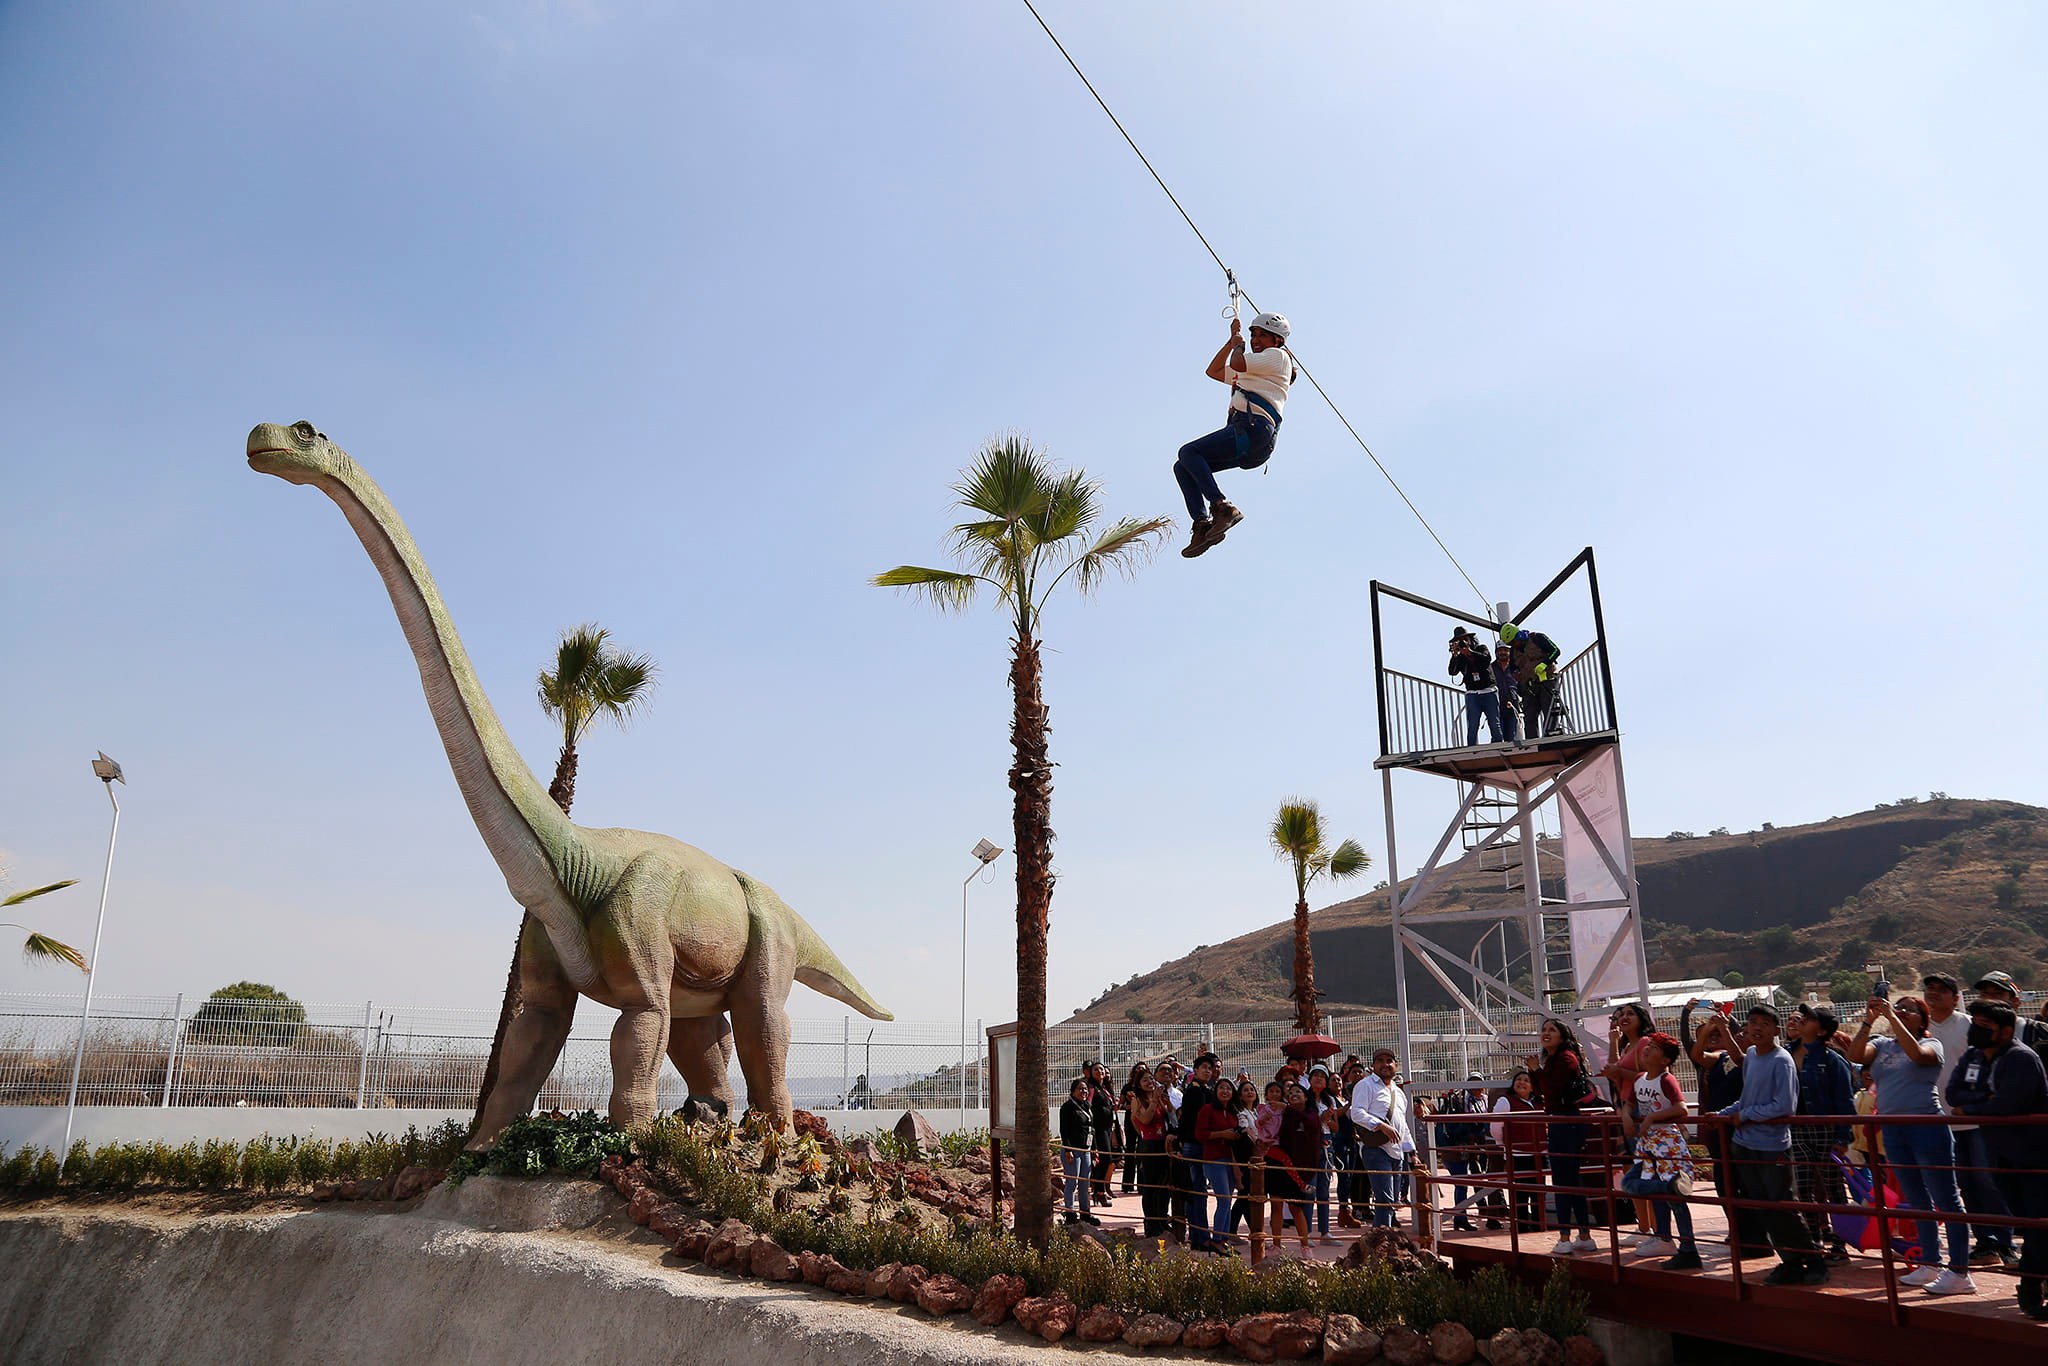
[
  {"x": 535, "y": 1147},
  {"x": 266, "y": 1163}
]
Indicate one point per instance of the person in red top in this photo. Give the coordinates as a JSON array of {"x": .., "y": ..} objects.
[
  {"x": 1628, "y": 1037},
  {"x": 1562, "y": 1087},
  {"x": 1216, "y": 1129},
  {"x": 1521, "y": 1140}
]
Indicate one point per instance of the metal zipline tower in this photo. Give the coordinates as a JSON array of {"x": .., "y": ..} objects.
[{"x": 1551, "y": 928}]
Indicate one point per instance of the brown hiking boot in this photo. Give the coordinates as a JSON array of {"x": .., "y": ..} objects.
[
  {"x": 1226, "y": 516},
  {"x": 1201, "y": 536}
]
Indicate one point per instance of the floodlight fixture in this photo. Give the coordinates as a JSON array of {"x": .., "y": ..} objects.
[
  {"x": 107, "y": 770},
  {"x": 986, "y": 852}
]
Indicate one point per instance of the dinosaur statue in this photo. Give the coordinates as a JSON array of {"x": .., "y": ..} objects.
[{"x": 664, "y": 932}]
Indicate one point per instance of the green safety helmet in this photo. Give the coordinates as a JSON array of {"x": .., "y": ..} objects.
[{"x": 1508, "y": 633}]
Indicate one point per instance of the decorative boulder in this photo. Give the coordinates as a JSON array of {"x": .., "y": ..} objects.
[
  {"x": 1152, "y": 1330},
  {"x": 415, "y": 1181},
  {"x": 1404, "y": 1346},
  {"x": 999, "y": 1295},
  {"x": 700, "y": 1109},
  {"x": 723, "y": 1249},
  {"x": 1051, "y": 1317},
  {"x": 667, "y": 1221},
  {"x": 844, "y": 1280},
  {"x": 1348, "y": 1342},
  {"x": 693, "y": 1238},
  {"x": 1268, "y": 1337},
  {"x": 1204, "y": 1334},
  {"x": 1100, "y": 1324},
  {"x": 941, "y": 1294},
  {"x": 807, "y": 1124},
  {"x": 771, "y": 1262},
  {"x": 903, "y": 1285},
  {"x": 1580, "y": 1350},
  {"x": 917, "y": 1132},
  {"x": 641, "y": 1207},
  {"x": 1524, "y": 1347},
  {"x": 1451, "y": 1344},
  {"x": 879, "y": 1278},
  {"x": 860, "y": 1149}
]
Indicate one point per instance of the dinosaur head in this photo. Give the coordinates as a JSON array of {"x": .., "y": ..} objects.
[{"x": 297, "y": 453}]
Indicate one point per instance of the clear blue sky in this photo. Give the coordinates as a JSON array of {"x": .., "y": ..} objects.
[{"x": 683, "y": 322}]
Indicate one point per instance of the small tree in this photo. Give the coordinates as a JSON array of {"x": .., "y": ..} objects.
[
  {"x": 1731, "y": 978},
  {"x": 249, "y": 1014},
  {"x": 1846, "y": 988},
  {"x": 1776, "y": 942},
  {"x": 1297, "y": 836}
]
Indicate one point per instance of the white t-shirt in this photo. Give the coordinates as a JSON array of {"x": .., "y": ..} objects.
[
  {"x": 1954, "y": 1033},
  {"x": 1266, "y": 373},
  {"x": 1657, "y": 1093}
]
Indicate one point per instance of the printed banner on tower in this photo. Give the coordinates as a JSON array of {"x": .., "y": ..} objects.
[{"x": 1587, "y": 877}]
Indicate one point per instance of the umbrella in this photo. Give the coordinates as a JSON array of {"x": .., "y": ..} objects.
[
  {"x": 1311, "y": 1046},
  {"x": 1861, "y": 1230}
]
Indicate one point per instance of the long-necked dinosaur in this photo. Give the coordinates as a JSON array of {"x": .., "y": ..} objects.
[{"x": 664, "y": 932}]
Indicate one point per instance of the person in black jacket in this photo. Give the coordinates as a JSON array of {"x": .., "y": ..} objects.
[
  {"x": 1471, "y": 665},
  {"x": 1077, "y": 1149},
  {"x": 1103, "y": 1101},
  {"x": 1511, "y": 704},
  {"x": 1198, "y": 1092},
  {"x": 1826, "y": 1087},
  {"x": 1996, "y": 1077}
]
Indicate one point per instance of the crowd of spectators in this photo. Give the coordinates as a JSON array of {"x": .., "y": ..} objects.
[{"x": 1786, "y": 1107}]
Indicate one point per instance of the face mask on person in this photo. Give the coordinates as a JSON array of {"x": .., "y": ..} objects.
[{"x": 1982, "y": 1036}]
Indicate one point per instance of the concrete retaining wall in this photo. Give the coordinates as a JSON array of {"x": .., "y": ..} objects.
[{"x": 490, "y": 1272}]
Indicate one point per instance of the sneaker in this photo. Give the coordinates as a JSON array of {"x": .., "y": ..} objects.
[
  {"x": 1836, "y": 1252},
  {"x": 1785, "y": 1273},
  {"x": 1655, "y": 1247},
  {"x": 1985, "y": 1255},
  {"x": 1201, "y": 536},
  {"x": 1925, "y": 1275},
  {"x": 1637, "y": 1239},
  {"x": 1227, "y": 516},
  {"x": 1091, "y": 1219},
  {"x": 1688, "y": 1259},
  {"x": 1952, "y": 1283},
  {"x": 1813, "y": 1273},
  {"x": 2008, "y": 1259},
  {"x": 1585, "y": 1245},
  {"x": 1565, "y": 1248}
]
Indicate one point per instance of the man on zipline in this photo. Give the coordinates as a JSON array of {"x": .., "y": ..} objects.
[{"x": 1258, "y": 391}]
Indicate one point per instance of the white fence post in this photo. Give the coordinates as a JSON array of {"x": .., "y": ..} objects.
[
  {"x": 846, "y": 1064},
  {"x": 363, "y": 1070},
  {"x": 177, "y": 1033},
  {"x": 980, "y": 1044},
  {"x": 1100, "y": 1056}
]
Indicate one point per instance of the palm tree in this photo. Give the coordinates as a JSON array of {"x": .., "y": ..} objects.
[
  {"x": 40, "y": 948},
  {"x": 590, "y": 682},
  {"x": 1030, "y": 527},
  {"x": 1297, "y": 834}
]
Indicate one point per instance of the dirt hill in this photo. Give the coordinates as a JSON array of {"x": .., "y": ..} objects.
[{"x": 1915, "y": 884}]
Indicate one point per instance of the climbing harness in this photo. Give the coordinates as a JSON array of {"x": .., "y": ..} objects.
[{"x": 1238, "y": 294}]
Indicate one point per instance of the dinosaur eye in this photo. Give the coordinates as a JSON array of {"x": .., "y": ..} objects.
[{"x": 304, "y": 431}]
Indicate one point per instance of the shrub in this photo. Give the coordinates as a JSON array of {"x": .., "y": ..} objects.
[
  {"x": 1852, "y": 954},
  {"x": 1777, "y": 942},
  {"x": 1731, "y": 979},
  {"x": 534, "y": 1147},
  {"x": 2006, "y": 892},
  {"x": 1846, "y": 987},
  {"x": 1884, "y": 927},
  {"x": 250, "y": 1014}
]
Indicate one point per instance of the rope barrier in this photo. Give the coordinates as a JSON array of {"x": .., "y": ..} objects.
[{"x": 1237, "y": 292}]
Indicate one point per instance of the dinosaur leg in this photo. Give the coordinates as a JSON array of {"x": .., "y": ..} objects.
[
  {"x": 701, "y": 1049},
  {"x": 532, "y": 1043},
  {"x": 761, "y": 1029},
  {"x": 639, "y": 1040}
]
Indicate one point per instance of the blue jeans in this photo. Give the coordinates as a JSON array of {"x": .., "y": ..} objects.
[
  {"x": 1194, "y": 468},
  {"x": 1222, "y": 1179},
  {"x": 1980, "y": 1188},
  {"x": 1197, "y": 1198},
  {"x": 1486, "y": 704},
  {"x": 1382, "y": 1166},
  {"x": 1078, "y": 1166},
  {"x": 1667, "y": 1212},
  {"x": 1320, "y": 1193},
  {"x": 1923, "y": 1157}
]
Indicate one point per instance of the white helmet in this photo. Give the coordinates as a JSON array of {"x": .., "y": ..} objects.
[{"x": 1272, "y": 322}]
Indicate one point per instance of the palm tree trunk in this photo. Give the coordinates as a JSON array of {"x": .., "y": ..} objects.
[
  {"x": 1031, "y": 789},
  {"x": 1305, "y": 1012},
  {"x": 563, "y": 791}
]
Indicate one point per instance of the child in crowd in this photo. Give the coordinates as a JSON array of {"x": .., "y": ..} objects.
[
  {"x": 1521, "y": 1143},
  {"x": 1662, "y": 1153}
]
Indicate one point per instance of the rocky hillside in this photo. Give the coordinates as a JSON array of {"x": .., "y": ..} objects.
[{"x": 1915, "y": 884}]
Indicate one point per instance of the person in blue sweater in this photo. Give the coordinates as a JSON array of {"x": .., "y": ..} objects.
[
  {"x": 1825, "y": 1088},
  {"x": 1995, "y": 1077},
  {"x": 1761, "y": 1155}
]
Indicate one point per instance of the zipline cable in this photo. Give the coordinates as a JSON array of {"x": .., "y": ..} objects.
[{"x": 1238, "y": 291}]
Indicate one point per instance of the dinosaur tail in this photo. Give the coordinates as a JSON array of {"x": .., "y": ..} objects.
[{"x": 817, "y": 967}]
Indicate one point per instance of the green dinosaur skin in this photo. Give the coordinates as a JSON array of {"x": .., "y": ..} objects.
[{"x": 668, "y": 935}]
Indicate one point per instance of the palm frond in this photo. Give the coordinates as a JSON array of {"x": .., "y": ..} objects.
[
  {"x": 16, "y": 898},
  {"x": 1009, "y": 480},
  {"x": 1071, "y": 506},
  {"x": 1297, "y": 830},
  {"x": 1349, "y": 859},
  {"x": 945, "y": 589},
  {"x": 1119, "y": 549},
  {"x": 40, "y": 948},
  {"x": 622, "y": 683}
]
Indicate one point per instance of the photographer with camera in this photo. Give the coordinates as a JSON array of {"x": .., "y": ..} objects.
[{"x": 1471, "y": 664}]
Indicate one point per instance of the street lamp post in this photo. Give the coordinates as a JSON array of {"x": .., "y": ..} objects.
[
  {"x": 109, "y": 773},
  {"x": 987, "y": 853}
]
